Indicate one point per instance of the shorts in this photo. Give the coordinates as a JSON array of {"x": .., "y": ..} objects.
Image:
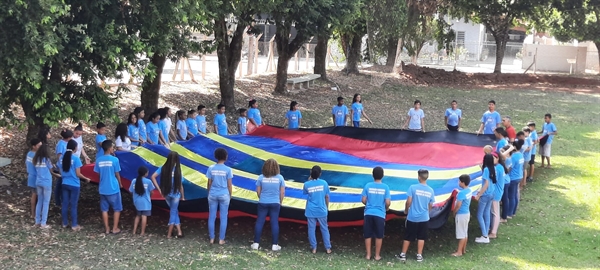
[
  {"x": 33, "y": 190},
  {"x": 462, "y": 225},
  {"x": 111, "y": 201},
  {"x": 452, "y": 128},
  {"x": 356, "y": 124},
  {"x": 373, "y": 227},
  {"x": 546, "y": 150},
  {"x": 532, "y": 160},
  {"x": 144, "y": 213},
  {"x": 416, "y": 230}
]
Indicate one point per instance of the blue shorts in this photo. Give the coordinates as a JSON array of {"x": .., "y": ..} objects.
[
  {"x": 144, "y": 213},
  {"x": 356, "y": 123},
  {"x": 373, "y": 226},
  {"x": 111, "y": 201}
]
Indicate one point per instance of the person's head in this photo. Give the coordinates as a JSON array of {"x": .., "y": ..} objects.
[
  {"x": 356, "y": 98},
  {"x": 518, "y": 144},
  {"x": 340, "y": 101},
  {"x": 44, "y": 134},
  {"x": 41, "y": 154},
  {"x": 492, "y": 105},
  {"x": 423, "y": 175},
  {"x": 163, "y": 113},
  {"x": 506, "y": 121},
  {"x": 139, "y": 181},
  {"x": 242, "y": 112},
  {"x": 220, "y": 109},
  {"x": 500, "y": 133},
  {"x": 35, "y": 144},
  {"x": 293, "y": 105},
  {"x": 454, "y": 105},
  {"x": 488, "y": 149},
  {"x": 315, "y": 172},
  {"x": 377, "y": 173},
  {"x": 66, "y": 134},
  {"x": 505, "y": 148},
  {"x": 168, "y": 111},
  {"x": 201, "y": 109},
  {"x": 171, "y": 170},
  {"x": 548, "y": 118},
  {"x": 252, "y": 103},
  {"x": 154, "y": 117},
  {"x": 270, "y": 168},
  {"x": 132, "y": 119},
  {"x": 139, "y": 112},
  {"x": 78, "y": 131},
  {"x": 192, "y": 114},
  {"x": 121, "y": 131},
  {"x": 417, "y": 104},
  {"x": 181, "y": 115},
  {"x": 66, "y": 157},
  {"x": 488, "y": 162},
  {"x": 496, "y": 157},
  {"x": 220, "y": 154},
  {"x": 531, "y": 125},
  {"x": 502, "y": 160},
  {"x": 108, "y": 147},
  {"x": 464, "y": 180},
  {"x": 521, "y": 135},
  {"x": 101, "y": 128},
  {"x": 526, "y": 130}
]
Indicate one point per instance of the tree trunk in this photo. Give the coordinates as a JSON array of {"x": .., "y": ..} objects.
[
  {"x": 391, "y": 51},
  {"x": 151, "y": 85},
  {"x": 500, "y": 48},
  {"x": 353, "y": 55},
  {"x": 321, "y": 56},
  {"x": 286, "y": 48},
  {"x": 282, "y": 69},
  {"x": 398, "y": 67},
  {"x": 598, "y": 49},
  {"x": 499, "y": 27},
  {"x": 229, "y": 57}
]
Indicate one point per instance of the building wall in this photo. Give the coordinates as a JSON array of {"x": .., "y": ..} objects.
[
  {"x": 553, "y": 58},
  {"x": 474, "y": 34}
]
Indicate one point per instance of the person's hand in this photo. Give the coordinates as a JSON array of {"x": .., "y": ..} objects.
[
  {"x": 423, "y": 130},
  {"x": 87, "y": 180},
  {"x": 87, "y": 160},
  {"x": 182, "y": 198},
  {"x": 370, "y": 122},
  {"x": 477, "y": 197}
]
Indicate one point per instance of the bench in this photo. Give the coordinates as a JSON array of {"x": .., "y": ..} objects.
[
  {"x": 4, "y": 161},
  {"x": 306, "y": 79}
]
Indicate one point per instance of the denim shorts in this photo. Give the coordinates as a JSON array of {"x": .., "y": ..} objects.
[
  {"x": 111, "y": 201},
  {"x": 144, "y": 213}
]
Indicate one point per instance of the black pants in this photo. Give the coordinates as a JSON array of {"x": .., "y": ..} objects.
[{"x": 452, "y": 128}]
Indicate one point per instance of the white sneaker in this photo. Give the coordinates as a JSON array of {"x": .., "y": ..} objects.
[
  {"x": 482, "y": 240},
  {"x": 276, "y": 248},
  {"x": 254, "y": 246}
]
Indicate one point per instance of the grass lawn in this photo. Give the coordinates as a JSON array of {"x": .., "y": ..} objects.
[{"x": 557, "y": 225}]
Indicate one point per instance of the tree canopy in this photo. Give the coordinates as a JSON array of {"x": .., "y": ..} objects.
[{"x": 577, "y": 19}]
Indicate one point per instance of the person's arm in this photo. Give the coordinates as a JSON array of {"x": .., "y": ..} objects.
[
  {"x": 281, "y": 194},
  {"x": 333, "y": 118},
  {"x": 178, "y": 136},
  {"x": 365, "y": 115},
  {"x": 161, "y": 139},
  {"x": 457, "y": 206},
  {"x": 216, "y": 128},
  {"x": 480, "y": 128},
  {"x": 299, "y": 122},
  {"x": 423, "y": 123},
  {"x": 258, "y": 190},
  {"x": 446, "y": 122},
  {"x": 430, "y": 206},
  {"x": 285, "y": 123},
  {"x": 407, "y": 205},
  {"x": 252, "y": 121},
  {"x": 327, "y": 201},
  {"x": 388, "y": 202},
  {"x": 190, "y": 134},
  {"x": 482, "y": 190},
  {"x": 85, "y": 156},
  {"x": 459, "y": 121},
  {"x": 364, "y": 200},
  {"x": 230, "y": 186},
  {"x": 181, "y": 192},
  {"x": 406, "y": 122},
  {"x": 118, "y": 176},
  {"x": 81, "y": 176},
  {"x": 153, "y": 179}
]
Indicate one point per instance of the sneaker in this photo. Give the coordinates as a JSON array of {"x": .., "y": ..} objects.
[
  {"x": 401, "y": 257},
  {"x": 419, "y": 258},
  {"x": 254, "y": 246},
  {"x": 482, "y": 240},
  {"x": 276, "y": 248}
]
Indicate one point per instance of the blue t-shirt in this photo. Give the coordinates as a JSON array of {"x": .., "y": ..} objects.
[
  {"x": 133, "y": 133},
  {"x": 220, "y": 174},
  {"x": 508, "y": 164},
  {"x": 173, "y": 193},
  {"x": 464, "y": 195},
  {"x": 70, "y": 178},
  {"x": 201, "y": 121},
  {"x": 270, "y": 188},
  {"x": 192, "y": 126},
  {"x": 501, "y": 143},
  {"x": 316, "y": 190},
  {"x": 534, "y": 137},
  {"x": 340, "y": 113},
  {"x": 486, "y": 178},
  {"x": 293, "y": 118},
  {"x": 549, "y": 127},
  {"x": 500, "y": 181},
  {"x": 490, "y": 121},
  {"x": 221, "y": 123},
  {"x": 415, "y": 118},
  {"x": 526, "y": 154},
  {"x": 254, "y": 113},
  {"x": 357, "y": 109},
  {"x": 164, "y": 129},
  {"x": 31, "y": 172},
  {"x": 516, "y": 174},
  {"x": 99, "y": 139},
  {"x": 61, "y": 147},
  {"x": 422, "y": 195},
  {"x": 153, "y": 132},
  {"x": 376, "y": 194},
  {"x": 142, "y": 203},
  {"x": 106, "y": 166},
  {"x": 42, "y": 172},
  {"x": 453, "y": 116},
  {"x": 142, "y": 130},
  {"x": 242, "y": 123},
  {"x": 182, "y": 129}
]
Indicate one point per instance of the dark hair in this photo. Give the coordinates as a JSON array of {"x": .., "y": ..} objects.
[
  {"x": 100, "y": 125},
  {"x": 34, "y": 141},
  {"x": 121, "y": 131},
  {"x": 417, "y": 102},
  {"x": 251, "y": 103},
  {"x": 526, "y": 129},
  {"x": 180, "y": 113},
  {"x": 66, "y": 158},
  {"x": 270, "y": 168},
  {"x": 501, "y": 131},
  {"x": 220, "y": 106},
  {"x": 548, "y": 115},
  {"x": 520, "y": 133},
  {"x": 492, "y": 101},
  {"x": 139, "y": 181},
  {"x": 138, "y": 110},
  {"x": 241, "y": 111},
  {"x": 340, "y": 99},
  {"x": 506, "y": 147},
  {"x": 501, "y": 161},
  {"x": 153, "y": 115},
  {"x": 41, "y": 154},
  {"x": 423, "y": 173},
  {"x": 200, "y": 107},
  {"x": 65, "y": 134},
  {"x": 292, "y": 104},
  {"x": 129, "y": 122},
  {"x": 191, "y": 112},
  {"x": 163, "y": 113},
  {"x": 465, "y": 179},
  {"x": 377, "y": 173},
  {"x": 107, "y": 145},
  {"x": 531, "y": 124},
  {"x": 454, "y": 101},
  {"x": 171, "y": 166},
  {"x": 167, "y": 109},
  {"x": 79, "y": 127},
  {"x": 488, "y": 162},
  {"x": 354, "y": 98},
  {"x": 43, "y": 134},
  {"x": 220, "y": 154},
  {"x": 315, "y": 172}
]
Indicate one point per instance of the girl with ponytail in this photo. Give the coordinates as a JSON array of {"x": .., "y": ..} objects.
[
  {"x": 171, "y": 187},
  {"x": 70, "y": 172},
  {"x": 141, "y": 188}
]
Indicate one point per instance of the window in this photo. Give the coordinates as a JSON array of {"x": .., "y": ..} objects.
[{"x": 460, "y": 38}]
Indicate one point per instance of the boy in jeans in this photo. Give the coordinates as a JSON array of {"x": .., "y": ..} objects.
[
  {"x": 462, "y": 214},
  {"x": 108, "y": 167},
  {"x": 418, "y": 204},
  {"x": 377, "y": 199},
  {"x": 549, "y": 130}
]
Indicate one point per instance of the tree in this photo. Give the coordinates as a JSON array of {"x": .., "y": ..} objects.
[
  {"x": 351, "y": 30},
  {"x": 386, "y": 23},
  {"x": 53, "y": 55}
]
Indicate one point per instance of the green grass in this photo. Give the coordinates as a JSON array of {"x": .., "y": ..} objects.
[{"x": 557, "y": 226}]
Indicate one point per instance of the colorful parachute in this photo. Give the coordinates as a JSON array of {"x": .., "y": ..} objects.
[{"x": 346, "y": 155}]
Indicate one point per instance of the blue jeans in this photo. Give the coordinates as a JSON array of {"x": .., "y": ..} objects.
[
  {"x": 220, "y": 203},
  {"x": 264, "y": 209},
  {"x": 312, "y": 227},
  {"x": 505, "y": 202},
  {"x": 41, "y": 208},
  {"x": 58, "y": 192},
  {"x": 513, "y": 199},
  {"x": 70, "y": 196},
  {"x": 174, "y": 210},
  {"x": 356, "y": 124},
  {"x": 483, "y": 213}
]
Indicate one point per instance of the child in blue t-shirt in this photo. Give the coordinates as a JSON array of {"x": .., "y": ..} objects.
[
  {"x": 462, "y": 214},
  {"x": 317, "y": 208},
  {"x": 242, "y": 121},
  {"x": 534, "y": 142},
  {"x": 141, "y": 188},
  {"x": 143, "y": 134},
  {"x": 501, "y": 136},
  {"x": 182, "y": 132},
  {"x": 100, "y": 137},
  {"x": 270, "y": 188},
  {"x": 293, "y": 117},
  {"x": 526, "y": 150},
  {"x": 415, "y": 120},
  {"x": 220, "y": 190},
  {"x": 201, "y": 119},
  {"x": 43, "y": 183},
  {"x": 377, "y": 199},
  {"x": 339, "y": 113},
  {"x": 357, "y": 111},
  {"x": 418, "y": 204},
  {"x": 516, "y": 176},
  {"x": 133, "y": 130},
  {"x": 254, "y": 113},
  {"x": 220, "y": 121},
  {"x": 70, "y": 172},
  {"x": 192, "y": 125},
  {"x": 171, "y": 187},
  {"x": 485, "y": 195},
  {"x": 453, "y": 117},
  {"x": 548, "y": 130},
  {"x": 109, "y": 187},
  {"x": 155, "y": 135},
  {"x": 31, "y": 172},
  {"x": 490, "y": 119}
]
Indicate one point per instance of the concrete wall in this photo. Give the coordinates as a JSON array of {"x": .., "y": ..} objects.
[
  {"x": 474, "y": 34},
  {"x": 554, "y": 58}
]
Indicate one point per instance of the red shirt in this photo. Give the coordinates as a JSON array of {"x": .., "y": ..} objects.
[{"x": 512, "y": 135}]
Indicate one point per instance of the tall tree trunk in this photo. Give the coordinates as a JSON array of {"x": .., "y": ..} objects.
[
  {"x": 286, "y": 48},
  {"x": 398, "y": 66},
  {"x": 598, "y": 49},
  {"x": 500, "y": 48},
  {"x": 353, "y": 54},
  {"x": 499, "y": 26},
  {"x": 321, "y": 56},
  {"x": 151, "y": 85},
  {"x": 229, "y": 57},
  {"x": 391, "y": 51},
  {"x": 282, "y": 69}
]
